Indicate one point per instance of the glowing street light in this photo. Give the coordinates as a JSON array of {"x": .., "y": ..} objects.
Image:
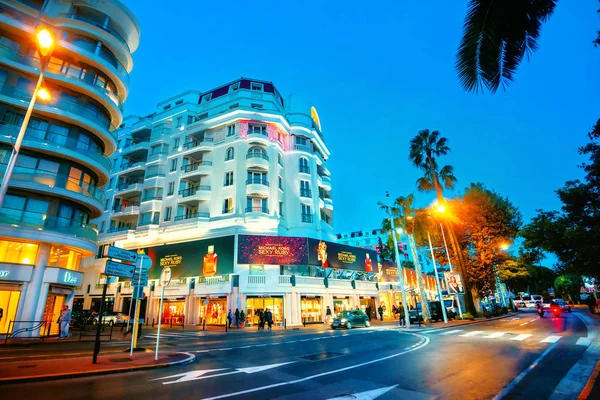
[
  {"x": 45, "y": 45},
  {"x": 504, "y": 246}
]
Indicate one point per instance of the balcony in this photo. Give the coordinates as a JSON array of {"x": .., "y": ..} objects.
[
  {"x": 262, "y": 210},
  {"x": 257, "y": 160},
  {"x": 196, "y": 147},
  {"x": 105, "y": 28},
  {"x": 120, "y": 230},
  {"x": 310, "y": 281},
  {"x": 302, "y": 147},
  {"x": 285, "y": 280},
  {"x": 132, "y": 169},
  {"x": 196, "y": 169},
  {"x": 126, "y": 211},
  {"x": 306, "y": 193},
  {"x": 43, "y": 222},
  {"x": 328, "y": 203},
  {"x": 324, "y": 181},
  {"x": 136, "y": 150},
  {"x": 307, "y": 218},
  {"x": 192, "y": 216},
  {"x": 129, "y": 188},
  {"x": 340, "y": 283},
  {"x": 194, "y": 194},
  {"x": 257, "y": 187},
  {"x": 254, "y": 280}
]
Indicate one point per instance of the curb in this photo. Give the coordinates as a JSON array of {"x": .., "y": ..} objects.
[
  {"x": 587, "y": 390},
  {"x": 40, "y": 378},
  {"x": 473, "y": 322}
]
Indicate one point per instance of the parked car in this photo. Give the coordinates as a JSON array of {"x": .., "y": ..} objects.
[
  {"x": 80, "y": 319},
  {"x": 435, "y": 310},
  {"x": 112, "y": 319},
  {"x": 563, "y": 305},
  {"x": 349, "y": 319}
]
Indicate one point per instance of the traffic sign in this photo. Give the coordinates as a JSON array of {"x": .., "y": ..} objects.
[
  {"x": 138, "y": 292},
  {"x": 114, "y": 268},
  {"x": 146, "y": 262},
  {"x": 142, "y": 282},
  {"x": 121, "y": 254}
]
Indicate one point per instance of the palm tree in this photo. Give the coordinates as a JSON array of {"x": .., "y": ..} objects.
[
  {"x": 403, "y": 215},
  {"x": 497, "y": 35},
  {"x": 424, "y": 150}
]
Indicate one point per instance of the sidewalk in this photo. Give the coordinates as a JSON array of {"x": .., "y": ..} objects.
[{"x": 41, "y": 370}]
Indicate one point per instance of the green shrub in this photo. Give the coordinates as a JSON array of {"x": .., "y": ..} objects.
[{"x": 467, "y": 316}]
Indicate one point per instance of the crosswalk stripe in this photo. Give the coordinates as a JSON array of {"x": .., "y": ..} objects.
[
  {"x": 494, "y": 335},
  {"x": 521, "y": 337},
  {"x": 551, "y": 339},
  {"x": 451, "y": 332},
  {"x": 428, "y": 331},
  {"x": 473, "y": 333},
  {"x": 583, "y": 341}
]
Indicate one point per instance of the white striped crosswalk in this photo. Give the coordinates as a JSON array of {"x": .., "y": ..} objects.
[
  {"x": 452, "y": 332},
  {"x": 521, "y": 337},
  {"x": 551, "y": 339},
  {"x": 495, "y": 335},
  {"x": 472, "y": 333}
]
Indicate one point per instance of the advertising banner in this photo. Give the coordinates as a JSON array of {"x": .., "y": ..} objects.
[
  {"x": 272, "y": 250},
  {"x": 195, "y": 258},
  {"x": 453, "y": 283},
  {"x": 333, "y": 255}
]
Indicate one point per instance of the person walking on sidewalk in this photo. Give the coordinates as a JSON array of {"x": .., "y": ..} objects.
[
  {"x": 229, "y": 318},
  {"x": 402, "y": 316},
  {"x": 269, "y": 318},
  {"x": 368, "y": 312},
  {"x": 237, "y": 318},
  {"x": 328, "y": 315},
  {"x": 380, "y": 311},
  {"x": 243, "y": 318},
  {"x": 65, "y": 320},
  {"x": 261, "y": 319}
]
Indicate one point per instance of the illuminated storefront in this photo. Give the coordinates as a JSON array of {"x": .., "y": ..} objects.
[
  {"x": 215, "y": 309},
  {"x": 312, "y": 311},
  {"x": 341, "y": 303},
  {"x": 256, "y": 304}
]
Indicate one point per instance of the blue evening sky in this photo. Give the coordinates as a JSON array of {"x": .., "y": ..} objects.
[{"x": 378, "y": 73}]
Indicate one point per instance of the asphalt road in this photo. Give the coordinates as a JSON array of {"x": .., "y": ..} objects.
[{"x": 469, "y": 362}]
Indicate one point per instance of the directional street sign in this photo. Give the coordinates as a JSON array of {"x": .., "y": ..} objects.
[
  {"x": 121, "y": 254},
  {"x": 114, "y": 268}
]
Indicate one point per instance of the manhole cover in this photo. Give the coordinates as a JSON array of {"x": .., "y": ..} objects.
[
  {"x": 27, "y": 366},
  {"x": 320, "y": 356},
  {"x": 125, "y": 359}
]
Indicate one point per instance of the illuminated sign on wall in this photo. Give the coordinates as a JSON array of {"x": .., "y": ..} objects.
[
  {"x": 4, "y": 274},
  {"x": 70, "y": 278},
  {"x": 272, "y": 250}
]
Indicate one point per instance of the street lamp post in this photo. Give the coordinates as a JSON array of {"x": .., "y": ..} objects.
[
  {"x": 400, "y": 275},
  {"x": 437, "y": 280},
  {"x": 45, "y": 45}
]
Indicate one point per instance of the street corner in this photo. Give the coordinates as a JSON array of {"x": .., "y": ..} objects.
[{"x": 45, "y": 370}]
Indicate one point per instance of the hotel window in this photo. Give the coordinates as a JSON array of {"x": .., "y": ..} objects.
[
  {"x": 306, "y": 213},
  {"x": 228, "y": 206},
  {"x": 279, "y": 160},
  {"x": 206, "y": 98},
  {"x": 178, "y": 122},
  {"x": 231, "y": 130},
  {"x": 106, "y": 204},
  {"x": 174, "y": 165},
  {"x": 280, "y": 183},
  {"x": 102, "y": 226},
  {"x": 305, "y": 189},
  {"x": 234, "y": 87},
  {"x": 281, "y": 208},
  {"x": 166, "y": 107},
  {"x": 168, "y": 211},
  {"x": 176, "y": 144},
  {"x": 257, "y": 129},
  {"x": 229, "y": 154},
  {"x": 303, "y": 165},
  {"x": 228, "y": 179},
  {"x": 18, "y": 252},
  {"x": 256, "y": 86},
  {"x": 171, "y": 188},
  {"x": 300, "y": 140}
]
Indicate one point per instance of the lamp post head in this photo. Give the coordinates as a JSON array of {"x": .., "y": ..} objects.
[
  {"x": 504, "y": 246},
  {"x": 45, "y": 42}
]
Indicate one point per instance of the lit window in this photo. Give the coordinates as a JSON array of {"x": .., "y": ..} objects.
[
  {"x": 18, "y": 252},
  {"x": 63, "y": 257}
]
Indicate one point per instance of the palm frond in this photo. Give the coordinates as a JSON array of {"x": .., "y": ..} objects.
[
  {"x": 425, "y": 184},
  {"x": 447, "y": 176},
  {"x": 496, "y": 37}
]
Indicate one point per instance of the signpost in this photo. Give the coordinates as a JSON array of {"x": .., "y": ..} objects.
[
  {"x": 165, "y": 279},
  {"x": 142, "y": 266},
  {"x": 112, "y": 268}
]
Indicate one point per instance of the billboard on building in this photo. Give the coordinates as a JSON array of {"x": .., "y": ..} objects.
[
  {"x": 195, "y": 258},
  {"x": 272, "y": 250},
  {"x": 339, "y": 256}
]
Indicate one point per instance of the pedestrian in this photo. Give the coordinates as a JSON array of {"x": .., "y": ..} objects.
[
  {"x": 328, "y": 315},
  {"x": 261, "y": 319},
  {"x": 402, "y": 316},
  {"x": 243, "y": 318},
  {"x": 229, "y": 318},
  {"x": 380, "y": 310},
  {"x": 269, "y": 318},
  {"x": 65, "y": 320},
  {"x": 237, "y": 318},
  {"x": 368, "y": 312}
]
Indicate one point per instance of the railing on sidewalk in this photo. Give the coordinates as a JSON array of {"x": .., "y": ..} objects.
[
  {"x": 106, "y": 330},
  {"x": 43, "y": 328}
]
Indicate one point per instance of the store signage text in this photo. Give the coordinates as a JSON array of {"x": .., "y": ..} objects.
[
  {"x": 346, "y": 257},
  {"x": 273, "y": 250},
  {"x": 4, "y": 274},
  {"x": 171, "y": 260},
  {"x": 70, "y": 278}
]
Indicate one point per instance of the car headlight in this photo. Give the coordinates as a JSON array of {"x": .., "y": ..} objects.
[{"x": 343, "y": 320}]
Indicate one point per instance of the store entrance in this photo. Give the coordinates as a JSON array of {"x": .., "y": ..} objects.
[
  {"x": 9, "y": 300},
  {"x": 369, "y": 302},
  {"x": 312, "y": 312},
  {"x": 216, "y": 311},
  {"x": 173, "y": 312},
  {"x": 341, "y": 303},
  {"x": 255, "y": 304},
  {"x": 52, "y": 312}
]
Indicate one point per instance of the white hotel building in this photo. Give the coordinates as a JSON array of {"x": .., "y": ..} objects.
[
  {"x": 55, "y": 189},
  {"x": 205, "y": 168}
]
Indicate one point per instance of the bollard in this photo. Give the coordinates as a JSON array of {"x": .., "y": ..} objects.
[
  {"x": 225, "y": 326},
  {"x": 285, "y": 323}
]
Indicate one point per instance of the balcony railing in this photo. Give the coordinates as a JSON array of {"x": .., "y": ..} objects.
[
  {"x": 123, "y": 207},
  {"x": 262, "y": 132},
  {"x": 195, "y": 165},
  {"x": 153, "y": 197},
  {"x": 192, "y": 216},
  {"x": 128, "y": 146},
  {"x": 125, "y": 185},
  {"x": 257, "y": 155},
  {"x": 257, "y": 181},
  {"x": 192, "y": 190},
  {"x": 263, "y": 210},
  {"x": 306, "y": 193},
  {"x": 28, "y": 219},
  {"x": 121, "y": 229},
  {"x": 196, "y": 143},
  {"x": 227, "y": 210},
  {"x": 97, "y": 24},
  {"x": 305, "y": 169},
  {"x": 302, "y": 147},
  {"x": 60, "y": 141},
  {"x": 132, "y": 164},
  {"x": 307, "y": 218}
]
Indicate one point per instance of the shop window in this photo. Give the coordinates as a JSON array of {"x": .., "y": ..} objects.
[
  {"x": 62, "y": 257},
  {"x": 18, "y": 252},
  {"x": 9, "y": 300}
]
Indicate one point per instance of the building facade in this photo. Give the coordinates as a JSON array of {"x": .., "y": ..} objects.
[
  {"x": 204, "y": 174},
  {"x": 55, "y": 189}
]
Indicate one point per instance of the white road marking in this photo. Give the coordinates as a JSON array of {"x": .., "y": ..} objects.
[
  {"x": 551, "y": 339},
  {"x": 428, "y": 331},
  {"x": 531, "y": 320},
  {"x": 494, "y": 335},
  {"x": 245, "y": 347},
  {"x": 203, "y": 351},
  {"x": 369, "y": 395},
  {"x": 521, "y": 337},
  {"x": 452, "y": 332},
  {"x": 200, "y": 374},
  {"x": 424, "y": 342},
  {"x": 522, "y": 375},
  {"x": 225, "y": 349},
  {"x": 583, "y": 341},
  {"x": 473, "y": 333},
  {"x": 523, "y": 324}
]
